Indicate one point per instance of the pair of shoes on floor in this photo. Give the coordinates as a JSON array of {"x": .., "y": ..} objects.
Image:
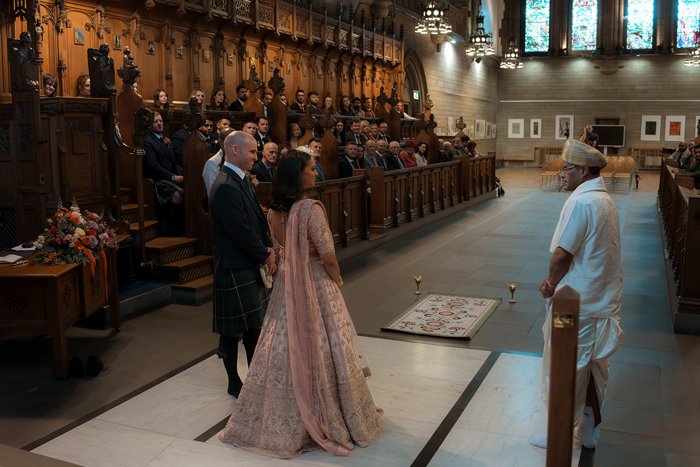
[{"x": 94, "y": 367}]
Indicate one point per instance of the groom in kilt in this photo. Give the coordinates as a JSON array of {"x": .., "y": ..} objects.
[{"x": 242, "y": 243}]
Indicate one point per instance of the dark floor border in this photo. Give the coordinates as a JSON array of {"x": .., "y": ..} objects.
[
  {"x": 96, "y": 413},
  {"x": 207, "y": 435},
  {"x": 435, "y": 441}
]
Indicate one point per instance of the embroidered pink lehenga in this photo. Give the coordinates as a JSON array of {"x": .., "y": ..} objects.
[{"x": 306, "y": 387}]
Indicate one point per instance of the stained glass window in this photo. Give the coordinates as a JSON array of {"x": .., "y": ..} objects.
[
  {"x": 584, "y": 24},
  {"x": 688, "y": 11},
  {"x": 640, "y": 24},
  {"x": 537, "y": 25}
]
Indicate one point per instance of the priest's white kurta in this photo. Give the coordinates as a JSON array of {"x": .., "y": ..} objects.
[{"x": 589, "y": 229}]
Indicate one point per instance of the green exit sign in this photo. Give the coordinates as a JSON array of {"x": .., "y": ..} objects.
[{"x": 416, "y": 95}]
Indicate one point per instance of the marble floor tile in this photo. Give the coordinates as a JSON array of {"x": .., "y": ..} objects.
[
  {"x": 102, "y": 444},
  {"x": 675, "y": 459}
]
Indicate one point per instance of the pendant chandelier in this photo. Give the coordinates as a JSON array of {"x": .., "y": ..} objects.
[
  {"x": 479, "y": 42},
  {"x": 511, "y": 59},
  {"x": 434, "y": 16}
]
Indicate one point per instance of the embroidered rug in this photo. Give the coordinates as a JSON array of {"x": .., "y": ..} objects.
[{"x": 459, "y": 316}]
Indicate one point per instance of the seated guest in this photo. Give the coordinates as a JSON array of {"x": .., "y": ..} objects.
[
  {"x": 422, "y": 154},
  {"x": 294, "y": 133},
  {"x": 374, "y": 132},
  {"x": 442, "y": 154},
  {"x": 135, "y": 87},
  {"x": 681, "y": 153},
  {"x": 471, "y": 149},
  {"x": 382, "y": 147},
  {"x": 213, "y": 165},
  {"x": 313, "y": 103},
  {"x": 408, "y": 156},
  {"x": 298, "y": 106},
  {"x": 208, "y": 136},
  {"x": 346, "y": 107},
  {"x": 367, "y": 107},
  {"x": 354, "y": 133},
  {"x": 383, "y": 135},
  {"x": 364, "y": 129},
  {"x": 251, "y": 128},
  {"x": 448, "y": 150},
  {"x": 370, "y": 157},
  {"x": 399, "y": 109},
  {"x": 263, "y": 168},
  {"x": 349, "y": 162},
  {"x": 282, "y": 149},
  {"x": 457, "y": 147},
  {"x": 357, "y": 107},
  {"x": 315, "y": 145},
  {"x": 50, "y": 83},
  {"x": 693, "y": 166},
  {"x": 84, "y": 85},
  {"x": 465, "y": 140},
  {"x": 328, "y": 104},
  {"x": 266, "y": 99},
  {"x": 338, "y": 132},
  {"x": 393, "y": 159},
  {"x": 241, "y": 98},
  {"x": 160, "y": 99},
  {"x": 159, "y": 165},
  {"x": 199, "y": 95},
  {"x": 283, "y": 98},
  {"x": 222, "y": 123},
  {"x": 261, "y": 135},
  {"x": 218, "y": 100}
]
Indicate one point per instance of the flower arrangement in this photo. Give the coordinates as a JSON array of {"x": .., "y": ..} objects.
[{"x": 75, "y": 237}]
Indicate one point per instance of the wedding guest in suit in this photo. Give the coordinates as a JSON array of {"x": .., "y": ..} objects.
[
  {"x": 251, "y": 128},
  {"x": 266, "y": 99},
  {"x": 393, "y": 159},
  {"x": 383, "y": 128},
  {"x": 471, "y": 149},
  {"x": 159, "y": 165},
  {"x": 223, "y": 123},
  {"x": 298, "y": 106},
  {"x": 241, "y": 243},
  {"x": 368, "y": 158},
  {"x": 458, "y": 147},
  {"x": 399, "y": 109},
  {"x": 210, "y": 136},
  {"x": 261, "y": 135},
  {"x": 442, "y": 154},
  {"x": 357, "y": 107},
  {"x": 349, "y": 161},
  {"x": 241, "y": 98},
  {"x": 315, "y": 145},
  {"x": 50, "y": 85},
  {"x": 367, "y": 107},
  {"x": 263, "y": 168},
  {"x": 354, "y": 133},
  {"x": 313, "y": 103}
]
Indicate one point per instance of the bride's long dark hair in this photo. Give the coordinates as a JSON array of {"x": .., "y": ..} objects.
[{"x": 287, "y": 187}]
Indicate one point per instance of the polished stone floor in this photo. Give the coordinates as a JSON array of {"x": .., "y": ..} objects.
[{"x": 652, "y": 411}]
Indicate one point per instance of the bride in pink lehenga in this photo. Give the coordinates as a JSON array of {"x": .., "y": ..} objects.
[{"x": 306, "y": 386}]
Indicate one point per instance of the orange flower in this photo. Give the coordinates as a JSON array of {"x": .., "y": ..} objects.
[
  {"x": 74, "y": 219},
  {"x": 85, "y": 240}
]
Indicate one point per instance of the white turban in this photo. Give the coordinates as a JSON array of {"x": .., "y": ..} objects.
[{"x": 578, "y": 153}]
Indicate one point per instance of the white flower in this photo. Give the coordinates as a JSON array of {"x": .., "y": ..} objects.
[{"x": 79, "y": 233}]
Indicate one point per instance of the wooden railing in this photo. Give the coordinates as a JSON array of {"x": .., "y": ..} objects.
[
  {"x": 648, "y": 158},
  {"x": 680, "y": 212},
  {"x": 543, "y": 154}
]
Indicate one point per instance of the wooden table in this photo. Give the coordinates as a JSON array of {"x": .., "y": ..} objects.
[{"x": 45, "y": 299}]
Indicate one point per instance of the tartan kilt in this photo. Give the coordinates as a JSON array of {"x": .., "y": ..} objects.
[
  {"x": 240, "y": 301},
  {"x": 165, "y": 189}
]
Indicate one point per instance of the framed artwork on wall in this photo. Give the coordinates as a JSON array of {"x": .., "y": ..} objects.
[
  {"x": 117, "y": 42},
  {"x": 482, "y": 129},
  {"x": 477, "y": 130},
  {"x": 493, "y": 131},
  {"x": 651, "y": 128},
  {"x": 535, "y": 128},
  {"x": 564, "y": 125},
  {"x": 79, "y": 37},
  {"x": 470, "y": 131},
  {"x": 675, "y": 128},
  {"x": 488, "y": 130},
  {"x": 516, "y": 128},
  {"x": 206, "y": 54},
  {"x": 181, "y": 53},
  {"x": 697, "y": 126},
  {"x": 150, "y": 47}
]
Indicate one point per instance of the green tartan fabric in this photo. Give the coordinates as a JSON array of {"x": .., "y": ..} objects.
[
  {"x": 240, "y": 301},
  {"x": 165, "y": 190}
]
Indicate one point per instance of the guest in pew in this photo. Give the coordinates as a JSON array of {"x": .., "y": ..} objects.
[
  {"x": 378, "y": 156},
  {"x": 586, "y": 257},
  {"x": 315, "y": 145},
  {"x": 465, "y": 140},
  {"x": 393, "y": 160},
  {"x": 282, "y": 150},
  {"x": 421, "y": 154},
  {"x": 382, "y": 147},
  {"x": 263, "y": 168},
  {"x": 266, "y": 99},
  {"x": 251, "y": 128},
  {"x": 261, "y": 135},
  {"x": 218, "y": 100},
  {"x": 313, "y": 103},
  {"x": 349, "y": 162},
  {"x": 404, "y": 115},
  {"x": 383, "y": 135},
  {"x": 50, "y": 84},
  {"x": 212, "y": 166},
  {"x": 443, "y": 156},
  {"x": 328, "y": 104},
  {"x": 209, "y": 136},
  {"x": 367, "y": 107},
  {"x": 84, "y": 85},
  {"x": 368, "y": 156},
  {"x": 241, "y": 98},
  {"x": 346, "y": 107},
  {"x": 458, "y": 147},
  {"x": 364, "y": 129},
  {"x": 284, "y": 100},
  {"x": 338, "y": 132},
  {"x": 357, "y": 107},
  {"x": 223, "y": 123},
  {"x": 160, "y": 99},
  {"x": 354, "y": 133},
  {"x": 294, "y": 133},
  {"x": 241, "y": 243},
  {"x": 449, "y": 150},
  {"x": 471, "y": 149},
  {"x": 408, "y": 155},
  {"x": 298, "y": 106},
  {"x": 693, "y": 166},
  {"x": 199, "y": 95},
  {"x": 681, "y": 153},
  {"x": 374, "y": 132},
  {"x": 159, "y": 164}
]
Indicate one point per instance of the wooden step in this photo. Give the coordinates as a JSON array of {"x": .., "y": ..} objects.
[
  {"x": 194, "y": 292},
  {"x": 197, "y": 285},
  {"x": 189, "y": 269},
  {"x": 130, "y": 212},
  {"x": 125, "y": 196},
  {"x": 164, "y": 250},
  {"x": 150, "y": 227}
]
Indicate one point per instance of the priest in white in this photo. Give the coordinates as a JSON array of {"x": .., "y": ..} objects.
[{"x": 586, "y": 256}]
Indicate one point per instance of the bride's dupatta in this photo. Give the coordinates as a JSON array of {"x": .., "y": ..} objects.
[{"x": 305, "y": 325}]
